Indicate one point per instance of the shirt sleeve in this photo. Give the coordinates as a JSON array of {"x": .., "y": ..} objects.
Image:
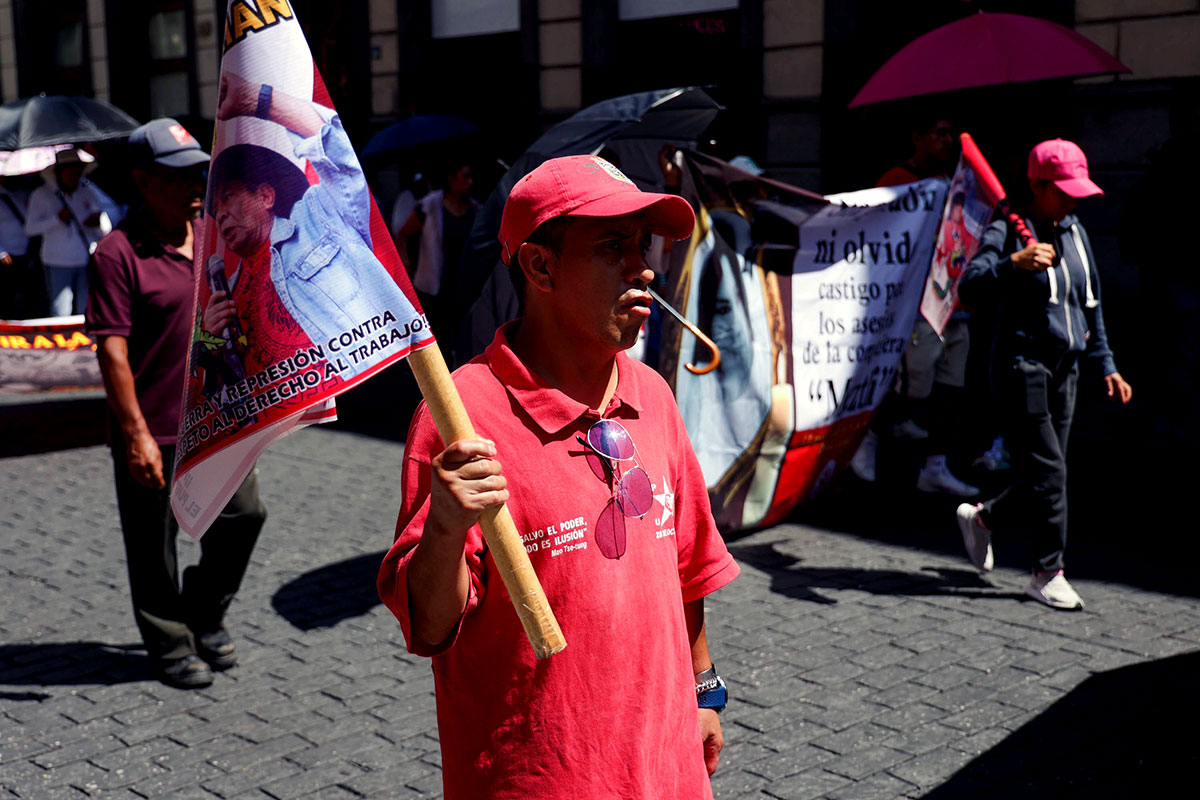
[
  {"x": 422, "y": 444},
  {"x": 342, "y": 191},
  {"x": 42, "y": 215},
  {"x": 110, "y": 293},
  {"x": 988, "y": 268},
  {"x": 705, "y": 564}
]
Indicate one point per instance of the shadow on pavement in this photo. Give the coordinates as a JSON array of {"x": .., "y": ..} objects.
[
  {"x": 1123, "y": 518},
  {"x": 330, "y": 594},
  {"x": 801, "y": 583},
  {"x": 47, "y": 422},
  {"x": 1121, "y": 733},
  {"x": 70, "y": 664}
]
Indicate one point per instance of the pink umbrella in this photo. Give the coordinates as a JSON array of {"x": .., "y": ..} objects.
[
  {"x": 986, "y": 49},
  {"x": 31, "y": 159}
]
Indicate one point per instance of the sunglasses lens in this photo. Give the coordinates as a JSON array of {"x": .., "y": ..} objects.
[
  {"x": 634, "y": 494},
  {"x": 611, "y": 439},
  {"x": 598, "y": 465},
  {"x": 610, "y": 531}
]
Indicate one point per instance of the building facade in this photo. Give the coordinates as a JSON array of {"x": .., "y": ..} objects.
[{"x": 784, "y": 69}]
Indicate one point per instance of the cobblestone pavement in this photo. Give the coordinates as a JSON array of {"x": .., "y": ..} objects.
[{"x": 866, "y": 664}]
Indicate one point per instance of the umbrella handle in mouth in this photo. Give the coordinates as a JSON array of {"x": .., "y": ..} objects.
[{"x": 715, "y": 361}]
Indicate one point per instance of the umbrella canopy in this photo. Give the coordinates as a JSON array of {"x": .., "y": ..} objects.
[
  {"x": 417, "y": 130},
  {"x": 639, "y": 124},
  {"x": 56, "y": 119},
  {"x": 31, "y": 159},
  {"x": 986, "y": 49}
]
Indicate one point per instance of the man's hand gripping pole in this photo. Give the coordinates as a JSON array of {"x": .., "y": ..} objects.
[{"x": 501, "y": 535}]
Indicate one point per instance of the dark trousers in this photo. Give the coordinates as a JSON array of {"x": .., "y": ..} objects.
[
  {"x": 1038, "y": 403},
  {"x": 167, "y": 614}
]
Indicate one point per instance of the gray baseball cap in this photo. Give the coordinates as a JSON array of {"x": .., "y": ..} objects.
[{"x": 164, "y": 141}]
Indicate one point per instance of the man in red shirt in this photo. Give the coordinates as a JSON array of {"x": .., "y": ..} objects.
[{"x": 610, "y": 502}]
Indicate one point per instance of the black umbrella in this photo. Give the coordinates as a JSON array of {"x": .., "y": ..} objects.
[
  {"x": 56, "y": 119},
  {"x": 417, "y": 130},
  {"x": 635, "y": 124}
]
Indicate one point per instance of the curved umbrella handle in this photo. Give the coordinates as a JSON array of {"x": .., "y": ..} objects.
[{"x": 707, "y": 342}]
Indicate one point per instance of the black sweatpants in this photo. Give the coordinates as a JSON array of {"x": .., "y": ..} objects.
[
  {"x": 1038, "y": 403},
  {"x": 166, "y": 613}
]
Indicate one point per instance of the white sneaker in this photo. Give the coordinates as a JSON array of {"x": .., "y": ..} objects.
[
  {"x": 937, "y": 479},
  {"x": 863, "y": 461},
  {"x": 909, "y": 430},
  {"x": 976, "y": 538},
  {"x": 1052, "y": 589}
]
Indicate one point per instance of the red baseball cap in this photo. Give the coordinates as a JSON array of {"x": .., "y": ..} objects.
[
  {"x": 1064, "y": 164},
  {"x": 585, "y": 186}
]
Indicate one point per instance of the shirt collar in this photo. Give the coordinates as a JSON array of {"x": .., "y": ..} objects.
[{"x": 548, "y": 407}]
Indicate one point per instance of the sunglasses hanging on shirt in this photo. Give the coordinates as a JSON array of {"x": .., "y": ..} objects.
[{"x": 609, "y": 445}]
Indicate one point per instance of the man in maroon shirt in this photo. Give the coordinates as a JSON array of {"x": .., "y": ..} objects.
[{"x": 140, "y": 310}]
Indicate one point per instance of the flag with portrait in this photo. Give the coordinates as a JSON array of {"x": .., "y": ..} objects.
[{"x": 300, "y": 294}]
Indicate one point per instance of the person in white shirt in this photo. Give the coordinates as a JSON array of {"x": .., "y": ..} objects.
[{"x": 67, "y": 213}]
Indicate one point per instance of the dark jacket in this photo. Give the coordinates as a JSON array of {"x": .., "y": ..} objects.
[{"x": 1051, "y": 317}]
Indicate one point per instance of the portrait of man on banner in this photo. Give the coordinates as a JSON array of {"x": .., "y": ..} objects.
[{"x": 964, "y": 218}]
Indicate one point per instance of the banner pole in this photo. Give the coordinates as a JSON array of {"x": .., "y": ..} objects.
[{"x": 516, "y": 570}]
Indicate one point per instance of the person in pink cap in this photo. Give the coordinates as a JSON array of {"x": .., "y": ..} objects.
[
  {"x": 1047, "y": 295},
  {"x": 607, "y": 494}
]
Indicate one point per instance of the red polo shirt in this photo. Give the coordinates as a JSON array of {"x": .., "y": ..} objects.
[{"x": 614, "y": 715}]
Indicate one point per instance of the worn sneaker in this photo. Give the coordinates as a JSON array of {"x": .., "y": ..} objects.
[
  {"x": 863, "y": 461},
  {"x": 216, "y": 648},
  {"x": 1052, "y": 589},
  {"x": 937, "y": 479},
  {"x": 909, "y": 430},
  {"x": 976, "y": 537},
  {"x": 189, "y": 672}
]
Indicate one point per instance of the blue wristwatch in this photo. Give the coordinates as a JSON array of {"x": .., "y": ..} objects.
[{"x": 711, "y": 691}]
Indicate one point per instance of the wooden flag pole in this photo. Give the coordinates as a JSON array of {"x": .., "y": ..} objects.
[{"x": 450, "y": 416}]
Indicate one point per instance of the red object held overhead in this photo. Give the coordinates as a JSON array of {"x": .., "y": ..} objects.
[
  {"x": 993, "y": 188},
  {"x": 986, "y": 49}
]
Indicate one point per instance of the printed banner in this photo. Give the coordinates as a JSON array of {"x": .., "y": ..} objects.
[
  {"x": 44, "y": 355},
  {"x": 300, "y": 293},
  {"x": 811, "y": 301},
  {"x": 964, "y": 219}
]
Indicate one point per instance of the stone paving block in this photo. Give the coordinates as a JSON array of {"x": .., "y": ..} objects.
[
  {"x": 902, "y": 694},
  {"x": 930, "y": 769},
  {"x": 790, "y": 762},
  {"x": 246, "y": 779},
  {"x": 909, "y": 716},
  {"x": 948, "y": 676},
  {"x": 889, "y": 676},
  {"x": 883, "y": 656},
  {"x": 429, "y": 785},
  {"x": 736, "y": 782},
  {"x": 397, "y": 781},
  {"x": 792, "y": 734},
  {"x": 981, "y": 716},
  {"x": 854, "y": 738},
  {"x": 866, "y": 761},
  {"x": 876, "y": 787},
  {"x": 922, "y": 738},
  {"x": 308, "y": 781},
  {"x": 806, "y": 785}
]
